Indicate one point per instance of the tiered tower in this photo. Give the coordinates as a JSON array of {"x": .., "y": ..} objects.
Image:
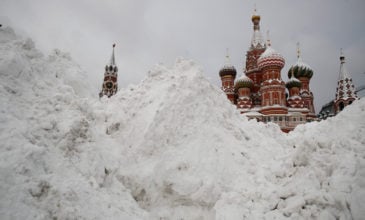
[
  {"x": 345, "y": 92},
  {"x": 273, "y": 87},
  {"x": 257, "y": 47},
  {"x": 304, "y": 73},
  {"x": 110, "y": 83},
  {"x": 228, "y": 74}
]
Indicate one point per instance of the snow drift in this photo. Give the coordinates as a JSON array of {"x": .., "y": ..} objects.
[{"x": 171, "y": 147}]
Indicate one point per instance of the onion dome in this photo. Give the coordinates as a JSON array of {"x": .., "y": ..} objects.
[
  {"x": 293, "y": 82},
  {"x": 270, "y": 58},
  {"x": 111, "y": 68},
  {"x": 255, "y": 16},
  {"x": 300, "y": 69},
  {"x": 228, "y": 68},
  {"x": 243, "y": 82}
]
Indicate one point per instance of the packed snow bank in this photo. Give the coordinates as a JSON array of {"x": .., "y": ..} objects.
[
  {"x": 50, "y": 164},
  {"x": 171, "y": 147},
  {"x": 330, "y": 164}
]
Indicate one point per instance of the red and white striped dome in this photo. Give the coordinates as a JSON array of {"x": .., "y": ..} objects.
[{"x": 270, "y": 58}]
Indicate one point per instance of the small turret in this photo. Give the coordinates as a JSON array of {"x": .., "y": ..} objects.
[
  {"x": 228, "y": 74},
  {"x": 243, "y": 88}
]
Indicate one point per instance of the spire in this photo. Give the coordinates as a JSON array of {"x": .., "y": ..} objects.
[
  {"x": 342, "y": 56},
  {"x": 343, "y": 70},
  {"x": 228, "y": 60},
  {"x": 298, "y": 50},
  {"x": 257, "y": 39},
  {"x": 112, "y": 59}
]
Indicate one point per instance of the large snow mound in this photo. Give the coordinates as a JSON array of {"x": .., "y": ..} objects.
[{"x": 171, "y": 147}]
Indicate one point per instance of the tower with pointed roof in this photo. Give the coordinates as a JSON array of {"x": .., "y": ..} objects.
[
  {"x": 257, "y": 47},
  {"x": 228, "y": 74},
  {"x": 345, "y": 92},
  {"x": 110, "y": 83}
]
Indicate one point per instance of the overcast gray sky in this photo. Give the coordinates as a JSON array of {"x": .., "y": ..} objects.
[{"x": 158, "y": 31}]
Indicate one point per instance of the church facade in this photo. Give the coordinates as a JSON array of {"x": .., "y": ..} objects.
[{"x": 261, "y": 94}]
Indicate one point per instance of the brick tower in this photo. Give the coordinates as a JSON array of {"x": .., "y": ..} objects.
[
  {"x": 228, "y": 74},
  {"x": 273, "y": 87},
  {"x": 110, "y": 83},
  {"x": 257, "y": 47},
  {"x": 345, "y": 92},
  {"x": 243, "y": 88}
]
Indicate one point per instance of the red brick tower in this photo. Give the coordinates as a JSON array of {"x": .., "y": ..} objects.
[
  {"x": 345, "y": 92},
  {"x": 273, "y": 87},
  {"x": 228, "y": 74},
  {"x": 304, "y": 73},
  {"x": 243, "y": 88},
  {"x": 257, "y": 47},
  {"x": 110, "y": 84}
]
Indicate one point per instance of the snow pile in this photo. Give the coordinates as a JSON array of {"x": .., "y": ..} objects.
[
  {"x": 171, "y": 147},
  {"x": 50, "y": 168}
]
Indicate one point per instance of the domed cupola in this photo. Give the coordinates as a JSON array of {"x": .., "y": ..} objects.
[
  {"x": 293, "y": 82},
  {"x": 228, "y": 69},
  {"x": 243, "y": 82},
  {"x": 300, "y": 69},
  {"x": 270, "y": 58}
]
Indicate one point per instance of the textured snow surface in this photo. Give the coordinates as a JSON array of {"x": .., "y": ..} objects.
[{"x": 171, "y": 147}]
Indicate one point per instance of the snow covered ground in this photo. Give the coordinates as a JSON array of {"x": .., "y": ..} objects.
[{"x": 171, "y": 147}]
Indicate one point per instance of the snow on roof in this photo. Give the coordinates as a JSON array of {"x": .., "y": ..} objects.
[
  {"x": 253, "y": 113},
  {"x": 270, "y": 52},
  {"x": 300, "y": 63}
]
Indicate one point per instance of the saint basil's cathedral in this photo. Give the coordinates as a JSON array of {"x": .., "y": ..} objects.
[{"x": 260, "y": 93}]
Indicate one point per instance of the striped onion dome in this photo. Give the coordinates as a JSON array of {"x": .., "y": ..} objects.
[{"x": 270, "y": 58}]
